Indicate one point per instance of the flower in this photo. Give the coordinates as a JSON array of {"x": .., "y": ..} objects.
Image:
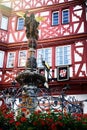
[
  {"x": 17, "y": 123},
  {"x": 9, "y": 115},
  {"x": 48, "y": 120},
  {"x": 53, "y": 127},
  {"x": 23, "y": 119}
]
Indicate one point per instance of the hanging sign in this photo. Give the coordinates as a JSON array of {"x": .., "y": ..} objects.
[{"x": 63, "y": 73}]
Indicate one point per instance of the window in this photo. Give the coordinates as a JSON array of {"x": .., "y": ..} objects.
[
  {"x": 20, "y": 24},
  {"x": 22, "y": 58},
  {"x": 65, "y": 16},
  {"x": 63, "y": 55},
  {"x": 1, "y": 58},
  {"x": 4, "y": 23},
  {"x": 6, "y": 3},
  {"x": 11, "y": 60},
  {"x": 55, "y": 18},
  {"x": 44, "y": 54}
]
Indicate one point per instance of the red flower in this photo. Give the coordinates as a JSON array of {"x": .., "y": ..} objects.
[
  {"x": 11, "y": 121},
  {"x": 47, "y": 110},
  {"x": 59, "y": 123},
  {"x": 34, "y": 123},
  {"x": 85, "y": 123},
  {"x": 9, "y": 115},
  {"x": 85, "y": 116},
  {"x": 23, "y": 119},
  {"x": 24, "y": 109},
  {"x": 37, "y": 112},
  {"x": 66, "y": 114},
  {"x": 49, "y": 120},
  {"x": 78, "y": 118},
  {"x": 42, "y": 122},
  {"x": 53, "y": 127},
  {"x": 60, "y": 117},
  {"x": 79, "y": 115},
  {"x": 27, "y": 112},
  {"x": 56, "y": 110},
  {"x": 17, "y": 123}
]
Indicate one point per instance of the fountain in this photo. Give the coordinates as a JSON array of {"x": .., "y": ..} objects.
[
  {"x": 30, "y": 75},
  {"x": 30, "y": 79}
]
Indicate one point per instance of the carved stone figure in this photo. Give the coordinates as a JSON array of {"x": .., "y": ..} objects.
[{"x": 31, "y": 26}]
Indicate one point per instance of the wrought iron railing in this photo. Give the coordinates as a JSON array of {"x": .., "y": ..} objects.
[{"x": 32, "y": 97}]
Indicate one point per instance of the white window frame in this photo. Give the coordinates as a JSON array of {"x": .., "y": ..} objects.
[
  {"x": 56, "y": 18},
  {"x": 42, "y": 55},
  {"x": 1, "y": 58},
  {"x": 22, "y": 57},
  {"x": 4, "y": 22},
  {"x": 20, "y": 26},
  {"x": 68, "y": 17},
  {"x": 61, "y": 57},
  {"x": 11, "y": 60}
]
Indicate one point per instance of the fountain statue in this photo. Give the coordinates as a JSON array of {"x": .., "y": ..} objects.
[
  {"x": 30, "y": 79},
  {"x": 31, "y": 26},
  {"x": 30, "y": 75}
]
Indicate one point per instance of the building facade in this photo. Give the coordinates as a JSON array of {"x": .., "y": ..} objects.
[{"x": 62, "y": 42}]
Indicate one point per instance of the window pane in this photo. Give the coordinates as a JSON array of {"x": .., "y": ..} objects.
[
  {"x": 1, "y": 58},
  {"x": 63, "y": 55},
  {"x": 55, "y": 18},
  {"x": 20, "y": 24},
  {"x": 4, "y": 23},
  {"x": 11, "y": 59},
  {"x": 22, "y": 58},
  {"x": 65, "y": 16},
  {"x": 44, "y": 54}
]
